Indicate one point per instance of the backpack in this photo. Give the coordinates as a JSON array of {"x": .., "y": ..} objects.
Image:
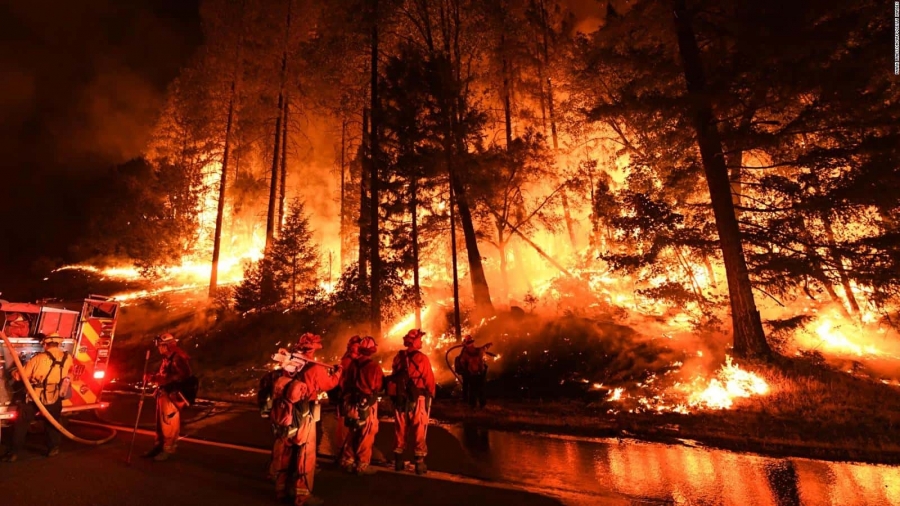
[
  {"x": 403, "y": 388},
  {"x": 63, "y": 386},
  {"x": 285, "y": 415}
]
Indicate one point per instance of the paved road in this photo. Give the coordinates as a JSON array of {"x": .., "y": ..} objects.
[
  {"x": 209, "y": 474},
  {"x": 201, "y": 474}
]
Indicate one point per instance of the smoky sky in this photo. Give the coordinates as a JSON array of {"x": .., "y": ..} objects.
[{"x": 80, "y": 88}]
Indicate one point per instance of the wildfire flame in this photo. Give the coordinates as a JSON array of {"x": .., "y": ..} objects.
[{"x": 730, "y": 382}]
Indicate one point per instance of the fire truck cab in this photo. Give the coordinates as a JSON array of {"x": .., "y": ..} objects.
[{"x": 87, "y": 336}]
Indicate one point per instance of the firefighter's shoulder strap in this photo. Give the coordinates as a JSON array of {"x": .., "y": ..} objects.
[{"x": 61, "y": 363}]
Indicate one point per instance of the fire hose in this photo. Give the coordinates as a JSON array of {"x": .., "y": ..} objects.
[
  {"x": 449, "y": 365},
  {"x": 43, "y": 409}
]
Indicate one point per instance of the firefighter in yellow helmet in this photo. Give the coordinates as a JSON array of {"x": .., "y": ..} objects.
[
  {"x": 48, "y": 372},
  {"x": 175, "y": 370}
]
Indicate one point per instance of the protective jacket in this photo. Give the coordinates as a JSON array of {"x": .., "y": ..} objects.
[
  {"x": 417, "y": 367},
  {"x": 46, "y": 372}
]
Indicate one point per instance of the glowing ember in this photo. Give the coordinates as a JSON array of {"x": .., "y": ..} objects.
[{"x": 616, "y": 394}]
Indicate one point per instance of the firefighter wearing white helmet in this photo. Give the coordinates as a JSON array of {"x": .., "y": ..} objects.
[
  {"x": 48, "y": 372},
  {"x": 296, "y": 471},
  {"x": 174, "y": 372}
]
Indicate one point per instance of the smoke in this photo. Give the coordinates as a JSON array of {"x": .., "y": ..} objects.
[{"x": 82, "y": 81}]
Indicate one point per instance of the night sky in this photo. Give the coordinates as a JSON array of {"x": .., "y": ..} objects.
[{"x": 81, "y": 86}]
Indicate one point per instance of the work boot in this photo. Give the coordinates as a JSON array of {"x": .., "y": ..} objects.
[
  {"x": 53, "y": 452},
  {"x": 152, "y": 453},
  {"x": 162, "y": 457},
  {"x": 399, "y": 464},
  {"x": 10, "y": 457},
  {"x": 420, "y": 466}
]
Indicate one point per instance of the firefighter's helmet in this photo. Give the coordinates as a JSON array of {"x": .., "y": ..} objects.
[
  {"x": 309, "y": 342},
  {"x": 468, "y": 340},
  {"x": 353, "y": 343},
  {"x": 368, "y": 346},
  {"x": 52, "y": 338},
  {"x": 413, "y": 339},
  {"x": 166, "y": 338}
]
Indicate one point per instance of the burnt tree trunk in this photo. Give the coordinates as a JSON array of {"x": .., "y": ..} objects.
[
  {"x": 838, "y": 259},
  {"x": 375, "y": 259},
  {"x": 749, "y": 338}
]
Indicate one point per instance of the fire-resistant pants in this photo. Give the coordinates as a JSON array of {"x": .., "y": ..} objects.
[
  {"x": 415, "y": 422},
  {"x": 473, "y": 389},
  {"x": 298, "y": 463},
  {"x": 357, "y": 450},
  {"x": 26, "y": 414},
  {"x": 278, "y": 449},
  {"x": 340, "y": 433},
  {"x": 168, "y": 422}
]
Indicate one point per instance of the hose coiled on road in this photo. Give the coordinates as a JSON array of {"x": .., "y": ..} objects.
[{"x": 43, "y": 409}]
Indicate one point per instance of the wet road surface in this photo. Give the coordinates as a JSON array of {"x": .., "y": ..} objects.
[{"x": 576, "y": 471}]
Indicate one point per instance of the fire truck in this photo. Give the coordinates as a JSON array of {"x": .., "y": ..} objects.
[{"x": 87, "y": 337}]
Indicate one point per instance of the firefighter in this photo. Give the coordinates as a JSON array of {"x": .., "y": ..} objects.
[
  {"x": 472, "y": 368},
  {"x": 340, "y": 430},
  {"x": 175, "y": 369},
  {"x": 299, "y": 457},
  {"x": 362, "y": 381},
  {"x": 288, "y": 365},
  {"x": 48, "y": 373},
  {"x": 412, "y": 390}
]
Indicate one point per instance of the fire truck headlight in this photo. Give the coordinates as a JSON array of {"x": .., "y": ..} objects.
[{"x": 99, "y": 374}]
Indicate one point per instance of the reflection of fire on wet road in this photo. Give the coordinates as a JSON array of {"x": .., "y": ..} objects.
[{"x": 676, "y": 474}]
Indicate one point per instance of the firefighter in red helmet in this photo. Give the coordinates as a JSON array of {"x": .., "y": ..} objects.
[
  {"x": 296, "y": 471},
  {"x": 337, "y": 395},
  {"x": 362, "y": 382},
  {"x": 174, "y": 371},
  {"x": 472, "y": 368},
  {"x": 412, "y": 390}
]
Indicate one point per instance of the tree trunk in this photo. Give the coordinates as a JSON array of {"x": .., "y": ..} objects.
[
  {"x": 457, "y": 324},
  {"x": 413, "y": 211},
  {"x": 838, "y": 259},
  {"x": 749, "y": 338},
  {"x": 220, "y": 211},
  {"x": 476, "y": 270},
  {"x": 282, "y": 185},
  {"x": 343, "y": 208},
  {"x": 273, "y": 184},
  {"x": 374, "y": 245},
  {"x": 567, "y": 213},
  {"x": 363, "y": 261},
  {"x": 507, "y": 106}
]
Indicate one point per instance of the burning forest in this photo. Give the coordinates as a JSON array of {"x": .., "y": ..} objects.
[{"x": 643, "y": 210}]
